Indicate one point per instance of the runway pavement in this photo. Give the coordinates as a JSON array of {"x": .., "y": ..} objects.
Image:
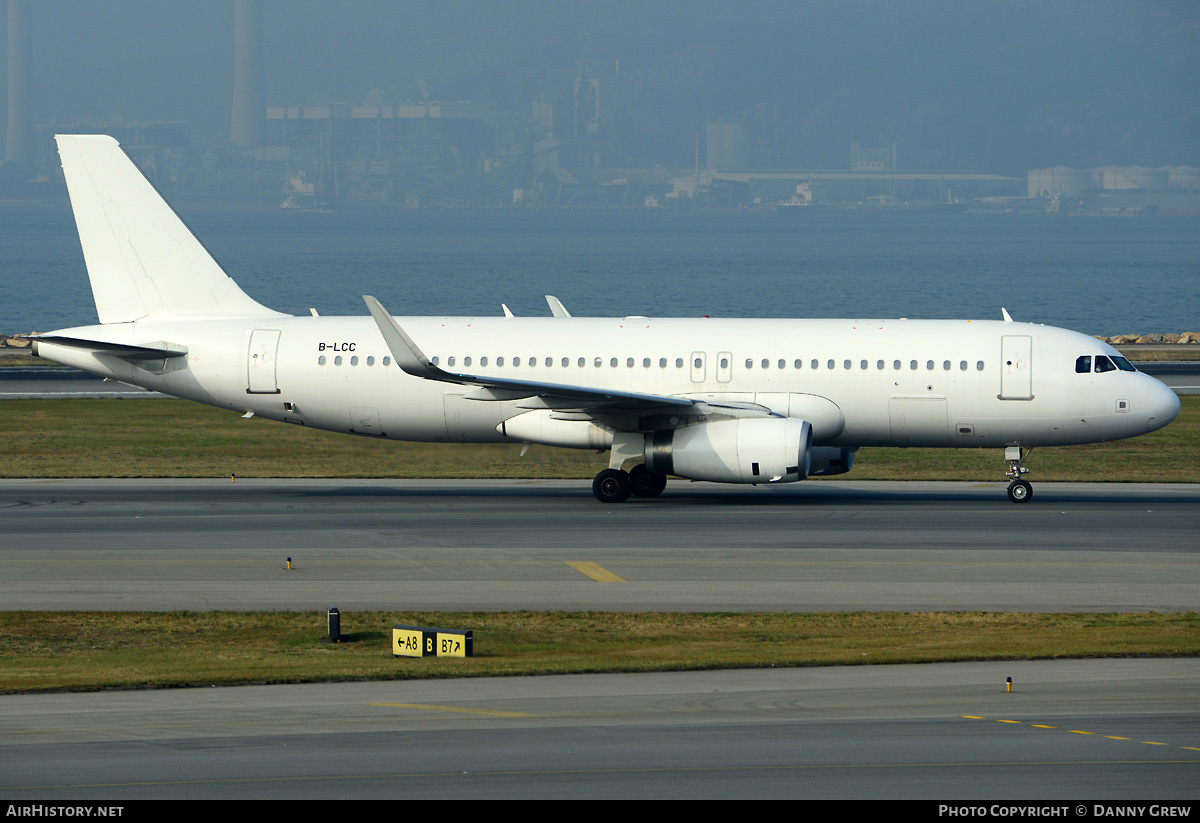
[
  {"x": 1078, "y": 730},
  {"x": 467, "y": 545}
]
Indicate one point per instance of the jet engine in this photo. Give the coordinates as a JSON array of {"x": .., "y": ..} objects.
[{"x": 744, "y": 450}]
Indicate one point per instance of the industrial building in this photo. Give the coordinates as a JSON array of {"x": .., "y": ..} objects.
[{"x": 1117, "y": 189}]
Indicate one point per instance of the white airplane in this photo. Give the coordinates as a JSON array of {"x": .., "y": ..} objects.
[{"x": 731, "y": 401}]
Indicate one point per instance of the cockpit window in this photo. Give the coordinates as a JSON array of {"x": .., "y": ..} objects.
[
  {"x": 1123, "y": 364},
  {"x": 1103, "y": 364},
  {"x": 1083, "y": 365}
]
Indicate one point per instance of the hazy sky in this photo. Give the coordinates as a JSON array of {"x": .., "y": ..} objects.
[{"x": 983, "y": 84}]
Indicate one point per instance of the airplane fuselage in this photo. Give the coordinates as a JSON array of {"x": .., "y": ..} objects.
[{"x": 941, "y": 383}]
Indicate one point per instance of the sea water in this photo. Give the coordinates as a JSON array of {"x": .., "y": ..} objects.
[{"x": 1098, "y": 275}]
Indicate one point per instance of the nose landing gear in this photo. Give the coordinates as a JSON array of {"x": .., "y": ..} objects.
[{"x": 1019, "y": 490}]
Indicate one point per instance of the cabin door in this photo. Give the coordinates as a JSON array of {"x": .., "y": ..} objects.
[
  {"x": 260, "y": 364},
  {"x": 1016, "y": 373}
]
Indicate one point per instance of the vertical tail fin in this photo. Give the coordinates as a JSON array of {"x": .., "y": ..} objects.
[{"x": 144, "y": 263}]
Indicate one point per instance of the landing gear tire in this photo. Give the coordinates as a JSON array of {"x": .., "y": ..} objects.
[
  {"x": 1019, "y": 491},
  {"x": 612, "y": 486},
  {"x": 645, "y": 482}
]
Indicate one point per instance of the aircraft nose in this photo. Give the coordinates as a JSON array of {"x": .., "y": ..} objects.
[{"x": 1162, "y": 405}]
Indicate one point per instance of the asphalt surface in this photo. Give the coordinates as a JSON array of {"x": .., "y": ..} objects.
[
  {"x": 1078, "y": 731},
  {"x": 468, "y": 545},
  {"x": 1081, "y": 731}
]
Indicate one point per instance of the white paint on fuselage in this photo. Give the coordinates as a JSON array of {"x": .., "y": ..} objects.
[{"x": 924, "y": 406}]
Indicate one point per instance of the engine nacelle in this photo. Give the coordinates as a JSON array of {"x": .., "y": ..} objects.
[
  {"x": 828, "y": 461},
  {"x": 541, "y": 426},
  {"x": 746, "y": 450}
]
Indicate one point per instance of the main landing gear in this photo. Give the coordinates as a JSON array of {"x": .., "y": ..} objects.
[
  {"x": 1019, "y": 490},
  {"x": 616, "y": 485}
]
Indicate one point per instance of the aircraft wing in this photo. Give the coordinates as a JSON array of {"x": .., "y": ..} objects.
[{"x": 412, "y": 360}]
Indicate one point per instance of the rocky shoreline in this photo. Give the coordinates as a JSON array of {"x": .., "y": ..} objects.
[{"x": 1187, "y": 338}]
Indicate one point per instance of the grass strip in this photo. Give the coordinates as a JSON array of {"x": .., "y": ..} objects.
[
  {"x": 176, "y": 438},
  {"x": 80, "y": 651}
]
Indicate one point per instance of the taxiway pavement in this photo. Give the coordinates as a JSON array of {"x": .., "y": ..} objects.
[{"x": 1081, "y": 730}]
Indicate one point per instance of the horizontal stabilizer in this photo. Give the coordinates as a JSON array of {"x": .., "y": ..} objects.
[{"x": 148, "y": 351}]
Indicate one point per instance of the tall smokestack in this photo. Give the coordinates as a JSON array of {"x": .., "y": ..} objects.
[
  {"x": 19, "y": 148},
  {"x": 249, "y": 98}
]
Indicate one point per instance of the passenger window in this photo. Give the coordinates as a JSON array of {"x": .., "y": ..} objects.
[
  {"x": 783, "y": 364},
  {"x": 1083, "y": 365},
  {"x": 550, "y": 361},
  {"x": 612, "y": 361},
  {"x": 597, "y": 362},
  {"x": 799, "y": 364},
  {"x": 766, "y": 364},
  {"x": 845, "y": 364},
  {"x": 581, "y": 361},
  {"x": 679, "y": 362},
  {"x": 354, "y": 360},
  {"x": 962, "y": 366},
  {"x": 371, "y": 360},
  {"x": 321, "y": 360},
  {"x": 662, "y": 362},
  {"x": 629, "y": 362},
  {"x": 816, "y": 364},
  {"x": 724, "y": 362},
  {"x": 516, "y": 361},
  {"x": 387, "y": 361},
  {"x": 337, "y": 361},
  {"x": 929, "y": 365},
  {"x": 434, "y": 360},
  {"x": 879, "y": 364},
  {"x": 896, "y": 365},
  {"x": 645, "y": 362},
  {"x": 532, "y": 361},
  {"x": 466, "y": 361},
  {"x": 499, "y": 361},
  {"x": 978, "y": 365},
  {"x": 830, "y": 364},
  {"x": 482, "y": 361},
  {"x": 1103, "y": 364},
  {"x": 449, "y": 361},
  {"x": 946, "y": 365},
  {"x": 863, "y": 364},
  {"x": 912, "y": 364}
]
